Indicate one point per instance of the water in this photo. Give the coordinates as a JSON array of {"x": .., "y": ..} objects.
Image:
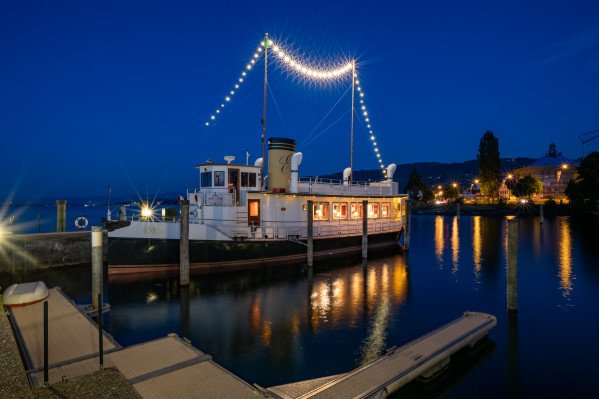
[{"x": 280, "y": 325}]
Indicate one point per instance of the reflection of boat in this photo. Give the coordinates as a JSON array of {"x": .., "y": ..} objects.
[{"x": 236, "y": 224}]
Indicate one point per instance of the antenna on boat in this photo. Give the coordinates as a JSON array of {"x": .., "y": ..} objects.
[
  {"x": 266, "y": 45},
  {"x": 351, "y": 140}
]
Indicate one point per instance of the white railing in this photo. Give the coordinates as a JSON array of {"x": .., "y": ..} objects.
[
  {"x": 299, "y": 230},
  {"x": 311, "y": 185}
]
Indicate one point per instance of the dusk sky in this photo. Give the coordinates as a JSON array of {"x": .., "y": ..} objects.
[{"x": 95, "y": 93}]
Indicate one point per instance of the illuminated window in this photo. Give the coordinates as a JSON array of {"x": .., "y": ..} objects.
[
  {"x": 374, "y": 211},
  {"x": 356, "y": 210},
  {"x": 321, "y": 211},
  {"x": 219, "y": 179},
  {"x": 254, "y": 208},
  {"x": 340, "y": 211},
  {"x": 385, "y": 210}
]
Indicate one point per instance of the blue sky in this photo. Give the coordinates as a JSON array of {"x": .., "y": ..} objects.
[{"x": 98, "y": 93}]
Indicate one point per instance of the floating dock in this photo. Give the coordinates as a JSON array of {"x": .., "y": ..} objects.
[
  {"x": 423, "y": 357},
  {"x": 172, "y": 367}
]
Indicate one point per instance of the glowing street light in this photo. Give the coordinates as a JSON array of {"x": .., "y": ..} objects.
[
  {"x": 564, "y": 166},
  {"x": 510, "y": 176}
]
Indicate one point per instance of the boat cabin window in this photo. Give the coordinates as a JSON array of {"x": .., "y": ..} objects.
[
  {"x": 374, "y": 210},
  {"x": 248, "y": 179},
  {"x": 219, "y": 178},
  {"x": 340, "y": 211},
  {"x": 254, "y": 212},
  {"x": 385, "y": 210},
  {"x": 356, "y": 210},
  {"x": 206, "y": 179},
  {"x": 321, "y": 211}
]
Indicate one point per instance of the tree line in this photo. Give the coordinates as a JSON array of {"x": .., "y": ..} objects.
[{"x": 583, "y": 190}]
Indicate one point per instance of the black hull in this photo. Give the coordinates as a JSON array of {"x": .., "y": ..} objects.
[{"x": 135, "y": 255}]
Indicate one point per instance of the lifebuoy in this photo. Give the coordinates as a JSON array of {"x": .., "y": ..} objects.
[{"x": 81, "y": 222}]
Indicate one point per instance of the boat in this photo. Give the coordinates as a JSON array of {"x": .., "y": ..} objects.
[{"x": 244, "y": 215}]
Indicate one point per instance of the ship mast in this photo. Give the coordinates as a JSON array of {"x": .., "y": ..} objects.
[
  {"x": 266, "y": 45},
  {"x": 351, "y": 140}
]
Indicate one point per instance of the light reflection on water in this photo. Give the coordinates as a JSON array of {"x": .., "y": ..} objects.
[
  {"x": 439, "y": 240},
  {"x": 565, "y": 258},
  {"x": 286, "y": 324}
]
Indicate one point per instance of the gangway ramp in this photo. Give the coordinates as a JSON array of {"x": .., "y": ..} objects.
[{"x": 421, "y": 357}]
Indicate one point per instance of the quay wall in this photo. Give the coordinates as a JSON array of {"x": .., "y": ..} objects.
[{"x": 46, "y": 250}]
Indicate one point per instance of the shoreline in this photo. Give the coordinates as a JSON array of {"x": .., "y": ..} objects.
[{"x": 520, "y": 210}]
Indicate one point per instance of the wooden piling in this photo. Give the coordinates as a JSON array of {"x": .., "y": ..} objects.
[
  {"x": 458, "y": 210},
  {"x": 97, "y": 265},
  {"x": 184, "y": 244},
  {"x": 310, "y": 242},
  {"x": 61, "y": 215},
  {"x": 512, "y": 265},
  {"x": 365, "y": 229},
  {"x": 541, "y": 215}
]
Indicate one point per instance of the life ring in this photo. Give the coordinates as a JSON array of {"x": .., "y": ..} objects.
[{"x": 81, "y": 222}]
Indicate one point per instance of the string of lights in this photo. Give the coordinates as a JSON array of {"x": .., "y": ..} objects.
[
  {"x": 327, "y": 73},
  {"x": 248, "y": 68},
  {"x": 363, "y": 111}
]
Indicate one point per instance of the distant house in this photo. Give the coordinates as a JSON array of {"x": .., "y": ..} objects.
[{"x": 553, "y": 170}]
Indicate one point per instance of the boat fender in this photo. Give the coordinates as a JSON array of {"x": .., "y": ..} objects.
[
  {"x": 196, "y": 197},
  {"x": 81, "y": 222}
]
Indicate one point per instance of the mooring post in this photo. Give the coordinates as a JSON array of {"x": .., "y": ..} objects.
[
  {"x": 406, "y": 232},
  {"x": 184, "y": 244},
  {"x": 458, "y": 210},
  {"x": 123, "y": 213},
  {"x": 310, "y": 211},
  {"x": 61, "y": 215},
  {"x": 512, "y": 265},
  {"x": 97, "y": 266},
  {"x": 45, "y": 342},
  {"x": 100, "y": 332},
  {"x": 365, "y": 229},
  {"x": 541, "y": 216}
]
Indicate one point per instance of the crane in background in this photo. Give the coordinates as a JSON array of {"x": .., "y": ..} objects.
[{"x": 588, "y": 136}]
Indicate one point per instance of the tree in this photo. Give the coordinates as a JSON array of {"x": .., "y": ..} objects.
[
  {"x": 584, "y": 188},
  {"x": 452, "y": 192},
  {"x": 528, "y": 186},
  {"x": 417, "y": 189},
  {"x": 489, "y": 165}
]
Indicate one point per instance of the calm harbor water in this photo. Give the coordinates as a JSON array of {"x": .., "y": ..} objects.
[{"x": 284, "y": 324}]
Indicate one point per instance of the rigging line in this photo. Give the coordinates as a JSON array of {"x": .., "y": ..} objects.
[
  {"x": 277, "y": 106},
  {"x": 325, "y": 117},
  {"x": 327, "y": 128}
]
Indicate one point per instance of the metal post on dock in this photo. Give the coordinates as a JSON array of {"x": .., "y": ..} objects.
[
  {"x": 61, "y": 215},
  {"x": 100, "y": 332},
  {"x": 365, "y": 229},
  {"x": 310, "y": 211},
  {"x": 541, "y": 216},
  {"x": 97, "y": 266},
  {"x": 512, "y": 265},
  {"x": 184, "y": 244},
  {"x": 406, "y": 232},
  {"x": 45, "y": 342}
]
